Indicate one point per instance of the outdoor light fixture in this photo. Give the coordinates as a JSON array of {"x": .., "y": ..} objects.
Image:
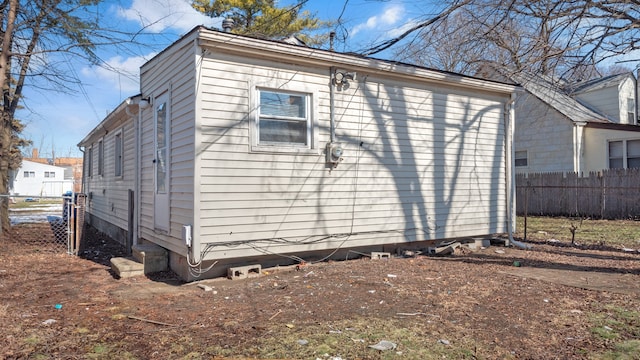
[
  {"x": 341, "y": 77},
  {"x": 144, "y": 102}
]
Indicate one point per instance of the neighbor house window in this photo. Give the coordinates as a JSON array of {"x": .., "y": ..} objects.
[
  {"x": 49, "y": 174},
  {"x": 624, "y": 154},
  {"x": 631, "y": 111},
  {"x": 29, "y": 174},
  {"x": 90, "y": 162},
  {"x": 118, "y": 154},
  {"x": 100, "y": 157},
  {"x": 521, "y": 158},
  {"x": 283, "y": 119}
]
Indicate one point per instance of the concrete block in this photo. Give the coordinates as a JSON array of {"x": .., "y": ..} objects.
[
  {"x": 126, "y": 267},
  {"x": 153, "y": 257},
  {"x": 380, "y": 255},
  {"x": 243, "y": 272},
  {"x": 479, "y": 243}
]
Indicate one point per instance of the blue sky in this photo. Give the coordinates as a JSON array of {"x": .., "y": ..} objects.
[{"x": 57, "y": 121}]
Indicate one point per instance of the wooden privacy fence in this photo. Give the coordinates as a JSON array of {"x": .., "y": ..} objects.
[{"x": 609, "y": 194}]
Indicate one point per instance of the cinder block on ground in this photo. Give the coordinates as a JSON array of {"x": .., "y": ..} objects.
[
  {"x": 153, "y": 257},
  {"x": 126, "y": 267},
  {"x": 479, "y": 243},
  {"x": 243, "y": 272},
  {"x": 380, "y": 255}
]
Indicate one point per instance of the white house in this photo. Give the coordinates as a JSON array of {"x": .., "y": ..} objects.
[
  {"x": 240, "y": 150},
  {"x": 591, "y": 128},
  {"x": 36, "y": 179}
]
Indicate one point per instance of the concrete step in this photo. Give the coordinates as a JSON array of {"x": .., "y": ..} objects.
[
  {"x": 154, "y": 257},
  {"x": 126, "y": 267}
]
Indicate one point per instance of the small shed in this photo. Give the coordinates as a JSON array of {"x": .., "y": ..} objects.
[{"x": 241, "y": 151}]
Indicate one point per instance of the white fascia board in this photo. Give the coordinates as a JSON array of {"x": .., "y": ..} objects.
[
  {"x": 281, "y": 52},
  {"x": 113, "y": 120}
]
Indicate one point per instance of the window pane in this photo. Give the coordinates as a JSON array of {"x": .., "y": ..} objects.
[
  {"x": 283, "y": 131},
  {"x": 521, "y": 158},
  {"x": 633, "y": 148},
  {"x": 615, "y": 149},
  {"x": 633, "y": 162},
  {"x": 279, "y": 104},
  {"x": 616, "y": 164}
]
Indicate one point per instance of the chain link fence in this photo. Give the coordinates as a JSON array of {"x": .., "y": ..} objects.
[{"x": 46, "y": 224}]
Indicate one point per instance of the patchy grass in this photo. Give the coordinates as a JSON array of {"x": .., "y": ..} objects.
[
  {"x": 20, "y": 204},
  {"x": 619, "y": 327},
  {"x": 618, "y": 233}
]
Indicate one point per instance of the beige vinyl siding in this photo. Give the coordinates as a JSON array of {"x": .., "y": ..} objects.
[
  {"x": 605, "y": 101},
  {"x": 421, "y": 162},
  {"x": 545, "y": 134},
  {"x": 172, "y": 71},
  {"x": 596, "y": 146},
  {"x": 109, "y": 195}
]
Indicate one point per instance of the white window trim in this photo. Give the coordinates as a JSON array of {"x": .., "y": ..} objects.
[
  {"x": 120, "y": 133},
  {"x": 101, "y": 157},
  {"x": 526, "y": 158},
  {"x": 90, "y": 161},
  {"x": 625, "y": 155},
  {"x": 312, "y": 97}
]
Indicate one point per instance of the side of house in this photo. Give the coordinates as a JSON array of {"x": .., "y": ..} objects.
[
  {"x": 35, "y": 179},
  {"x": 109, "y": 173},
  {"x": 613, "y": 96},
  {"x": 591, "y": 130},
  {"x": 544, "y": 137},
  {"x": 260, "y": 151}
]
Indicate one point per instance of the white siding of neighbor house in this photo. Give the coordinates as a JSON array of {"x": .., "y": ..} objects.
[
  {"x": 39, "y": 185},
  {"x": 545, "y": 134},
  {"x": 172, "y": 71},
  {"x": 421, "y": 162},
  {"x": 610, "y": 101},
  {"x": 108, "y": 194},
  {"x": 597, "y": 146},
  {"x": 627, "y": 91}
]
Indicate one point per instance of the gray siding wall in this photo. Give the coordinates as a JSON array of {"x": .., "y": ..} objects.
[
  {"x": 545, "y": 134},
  {"x": 605, "y": 101},
  {"x": 108, "y": 194},
  {"x": 421, "y": 162},
  {"x": 174, "y": 72}
]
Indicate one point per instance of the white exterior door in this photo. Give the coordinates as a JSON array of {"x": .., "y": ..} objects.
[{"x": 161, "y": 194}]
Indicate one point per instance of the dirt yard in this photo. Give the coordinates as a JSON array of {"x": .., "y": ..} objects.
[{"x": 561, "y": 302}]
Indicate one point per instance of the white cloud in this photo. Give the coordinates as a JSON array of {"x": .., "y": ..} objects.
[
  {"x": 160, "y": 15},
  {"x": 120, "y": 73},
  {"x": 389, "y": 17}
]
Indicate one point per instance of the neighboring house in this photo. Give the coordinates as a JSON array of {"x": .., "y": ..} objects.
[
  {"x": 35, "y": 179},
  {"x": 241, "y": 150},
  {"x": 591, "y": 128},
  {"x": 72, "y": 167}
]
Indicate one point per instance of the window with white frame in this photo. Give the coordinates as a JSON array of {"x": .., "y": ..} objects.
[
  {"x": 521, "y": 158},
  {"x": 631, "y": 111},
  {"x": 29, "y": 174},
  {"x": 100, "y": 157},
  {"x": 118, "y": 154},
  {"x": 89, "y": 162},
  {"x": 283, "y": 118},
  {"x": 49, "y": 174},
  {"x": 624, "y": 154}
]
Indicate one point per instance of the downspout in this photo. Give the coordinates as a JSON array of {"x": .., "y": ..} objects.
[
  {"x": 510, "y": 174},
  {"x": 578, "y": 140}
]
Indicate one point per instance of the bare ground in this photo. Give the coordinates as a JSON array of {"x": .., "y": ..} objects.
[{"x": 561, "y": 302}]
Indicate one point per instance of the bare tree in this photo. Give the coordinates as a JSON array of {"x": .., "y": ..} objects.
[
  {"x": 551, "y": 37},
  {"x": 38, "y": 38}
]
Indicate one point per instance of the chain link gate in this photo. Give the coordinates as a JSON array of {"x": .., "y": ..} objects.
[{"x": 46, "y": 224}]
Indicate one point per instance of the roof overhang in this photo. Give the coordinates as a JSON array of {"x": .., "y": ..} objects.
[{"x": 300, "y": 55}]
